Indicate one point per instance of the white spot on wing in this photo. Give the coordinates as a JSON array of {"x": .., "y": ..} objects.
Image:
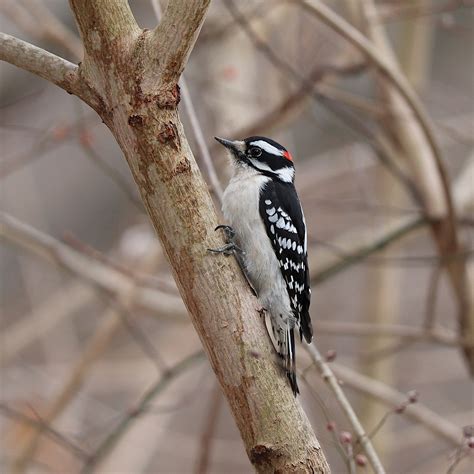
[
  {"x": 271, "y": 211},
  {"x": 281, "y": 223}
]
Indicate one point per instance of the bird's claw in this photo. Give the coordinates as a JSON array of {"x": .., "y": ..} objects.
[
  {"x": 227, "y": 249},
  {"x": 231, "y": 247},
  {"x": 228, "y": 231}
]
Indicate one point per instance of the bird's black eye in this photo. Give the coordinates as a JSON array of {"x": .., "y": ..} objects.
[{"x": 255, "y": 152}]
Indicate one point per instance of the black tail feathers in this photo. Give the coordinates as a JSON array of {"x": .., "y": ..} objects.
[
  {"x": 294, "y": 385},
  {"x": 290, "y": 361}
]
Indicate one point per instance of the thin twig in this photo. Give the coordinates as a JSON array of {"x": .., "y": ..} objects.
[
  {"x": 92, "y": 271},
  {"x": 141, "y": 338},
  {"x": 396, "y": 79},
  {"x": 364, "y": 251},
  {"x": 401, "y": 12},
  {"x": 124, "y": 424},
  {"x": 431, "y": 297},
  {"x": 56, "y": 436},
  {"x": 34, "y": 18},
  {"x": 329, "y": 377},
  {"x": 295, "y": 100},
  {"x": 392, "y": 398},
  {"x": 435, "y": 333},
  {"x": 417, "y": 143},
  {"x": 56, "y": 308},
  {"x": 110, "y": 322}
]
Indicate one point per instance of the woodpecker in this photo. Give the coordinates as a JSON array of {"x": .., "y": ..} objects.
[{"x": 267, "y": 232}]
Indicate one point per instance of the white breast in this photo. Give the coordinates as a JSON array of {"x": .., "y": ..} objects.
[{"x": 241, "y": 211}]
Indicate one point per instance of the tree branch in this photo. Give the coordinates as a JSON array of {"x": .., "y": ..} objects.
[
  {"x": 392, "y": 398},
  {"x": 332, "y": 382},
  {"x": 110, "y": 322},
  {"x": 141, "y": 406},
  {"x": 438, "y": 205},
  {"x": 39, "y": 424},
  {"x": 103, "y": 26},
  {"x": 436, "y": 334},
  {"x": 417, "y": 146},
  {"x": 201, "y": 143},
  {"x": 396, "y": 79},
  {"x": 45, "y": 65},
  {"x": 174, "y": 38},
  {"x": 121, "y": 61},
  {"x": 361, "y": 249},
  {"x": 90, "y": 270}
]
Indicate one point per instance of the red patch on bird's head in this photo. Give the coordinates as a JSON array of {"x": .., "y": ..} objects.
[{"x": 287, "y": 155}]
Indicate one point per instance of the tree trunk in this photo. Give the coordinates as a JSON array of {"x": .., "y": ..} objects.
[{"x": 130, "y": 77}]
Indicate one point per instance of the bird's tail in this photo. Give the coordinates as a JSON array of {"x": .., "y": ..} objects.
[
  {"x": 289, "y": 359},
  {"x": 283, "y": 340}
]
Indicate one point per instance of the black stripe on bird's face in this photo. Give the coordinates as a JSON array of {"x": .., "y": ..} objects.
[
  {"x": 270, "y": 157},
  {"x": 264, "y": 155}
]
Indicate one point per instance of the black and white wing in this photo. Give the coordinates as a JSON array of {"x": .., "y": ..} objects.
[{"x": 281, "y": 212}]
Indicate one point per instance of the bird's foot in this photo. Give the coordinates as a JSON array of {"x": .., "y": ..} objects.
[
  {"x": 227, "y": 249},
  {"x": 230, "y": 247},
  {"x": 228, "y": 231}
]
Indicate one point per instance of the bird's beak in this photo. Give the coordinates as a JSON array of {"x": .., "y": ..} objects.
[{"x": 236, "y": 146}]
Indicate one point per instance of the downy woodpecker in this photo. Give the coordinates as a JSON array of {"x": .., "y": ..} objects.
[{"x": 268, "y": 234}]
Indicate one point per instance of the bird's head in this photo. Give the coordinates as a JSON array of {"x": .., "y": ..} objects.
[{"x": 262, "y": 154}]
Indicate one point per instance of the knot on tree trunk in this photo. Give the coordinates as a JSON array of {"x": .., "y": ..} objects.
[{"x": 263, "y": 455}]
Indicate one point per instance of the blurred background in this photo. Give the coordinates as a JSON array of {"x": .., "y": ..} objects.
[{"x": 91, "y": 321}]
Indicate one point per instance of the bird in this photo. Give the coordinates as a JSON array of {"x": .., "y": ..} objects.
[{"x": 266, "y": 230}]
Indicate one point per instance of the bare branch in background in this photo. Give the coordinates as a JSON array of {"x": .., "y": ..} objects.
[
  {"x": 48, "y": 431},
  {"x": 436, "y": 334},
  {"x": 55, "y": 309},
  {"x": 34, "y": 18},
  {"x": 92, "y": 271},
  {"x": 395, "y": 12},
  {"x": 111, "y": 440},
  {"x": 418, "y": 146},
  {"x": 362, "y": 438},
  {"x": 109, "y": 323},
  {"x": 394, "y": 399},
  {"x": 438, "y": 202},
  {"x": 359, "y": 248}
]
